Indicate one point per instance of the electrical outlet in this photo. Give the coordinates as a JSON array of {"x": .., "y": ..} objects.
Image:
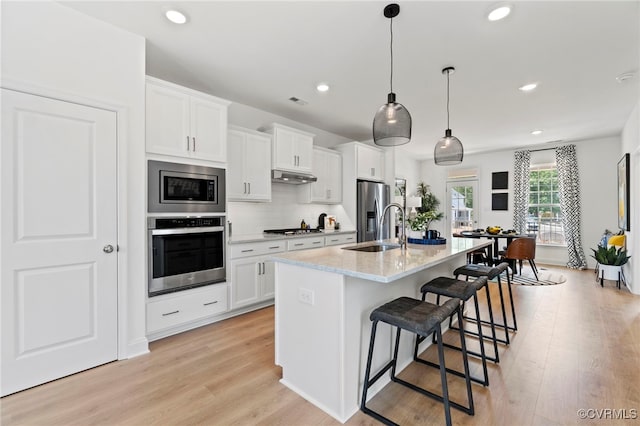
[{"x": 305, "y": 296}]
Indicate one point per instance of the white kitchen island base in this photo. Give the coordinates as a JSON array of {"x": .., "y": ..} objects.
[{"x": 322, "y": 325}]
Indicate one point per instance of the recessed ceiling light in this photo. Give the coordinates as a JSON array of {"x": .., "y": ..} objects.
[
  {"x": 499, "y": 12},
  {"x": 536, "y": 132},
  {"x": 322, "y": 87},
  {"x": 528, "y": 87},
  {"x": 176, "y": 17}
]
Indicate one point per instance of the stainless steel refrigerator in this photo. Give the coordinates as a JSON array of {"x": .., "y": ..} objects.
[{"x": 372, "y": 199}]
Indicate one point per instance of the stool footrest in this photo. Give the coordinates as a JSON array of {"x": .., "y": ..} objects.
[
  {"x": 489, "y": 338},
  {"x": 451, "y": 371},
  {"x": 468, "y": 410},
  {"x": 479, "y": 355}
]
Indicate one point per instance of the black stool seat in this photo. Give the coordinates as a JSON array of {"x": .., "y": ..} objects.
[
  {"x": 473, "y": 270},
  {"x": 422, "y": 318},
  {"x": 452, "y": 287},
  {"x": 414, "y": 315}
]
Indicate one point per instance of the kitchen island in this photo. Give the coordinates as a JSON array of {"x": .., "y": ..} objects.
[{"x": 323, "y": 299}]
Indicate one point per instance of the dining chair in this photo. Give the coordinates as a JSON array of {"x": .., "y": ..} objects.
[{"x": 521, "y": 249}]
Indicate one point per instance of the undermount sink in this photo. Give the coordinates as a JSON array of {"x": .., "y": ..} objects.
[{"x": 376, "y": 247}]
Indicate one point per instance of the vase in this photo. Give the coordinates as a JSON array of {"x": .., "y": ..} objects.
[
  {"x": 609, "y": 272},
  {"x": 416, "y": 235}
]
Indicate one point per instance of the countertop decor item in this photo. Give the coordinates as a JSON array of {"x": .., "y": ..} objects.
[
  {"x": 430, "y": 242},
  {"x": 448, "y": 150},
  {"x": 392, "y": 122}
]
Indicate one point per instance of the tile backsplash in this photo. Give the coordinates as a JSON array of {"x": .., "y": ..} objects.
[{"x": 284, "y": 211}]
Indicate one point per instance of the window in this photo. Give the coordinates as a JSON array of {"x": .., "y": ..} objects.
[{"x": 545, "y": 216}]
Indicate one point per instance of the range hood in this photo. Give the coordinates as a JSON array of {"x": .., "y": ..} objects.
[{"x": 292, "y": 178}]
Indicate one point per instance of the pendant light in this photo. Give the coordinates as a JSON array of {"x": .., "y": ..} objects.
[
  {"x": 392, "y": 122},
  {"x": 448, "y": 150}
]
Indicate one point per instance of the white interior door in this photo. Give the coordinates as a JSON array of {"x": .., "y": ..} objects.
[
  {"x": 462, "y": 206},
  {"x": 59, "y": 276}
]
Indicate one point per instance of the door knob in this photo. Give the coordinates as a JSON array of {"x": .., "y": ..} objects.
[{"x": 108, "y": 248}]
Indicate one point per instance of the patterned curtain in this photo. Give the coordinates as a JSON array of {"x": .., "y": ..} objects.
[
  {"x": 569, "y": 191},
  {"x": 521, "y": 190}
]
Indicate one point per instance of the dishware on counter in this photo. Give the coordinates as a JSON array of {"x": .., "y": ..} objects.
[{"x": 432, "y": 234}]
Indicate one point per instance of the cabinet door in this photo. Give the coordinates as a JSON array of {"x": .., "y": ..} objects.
[
  {"x": 167, "y": 121},
  {"x": 257, "y": 167},
  {"x": 268, "y": 280},
  {"x": 283, "y": 153},
  {"x": 333, "y": 178},
  {"x": 208, "y": 130},
  {"x": 236, "y": 183},
  {"x": 303, "y": 151},
  {"x": 245, "y": 285},
  {"x": 319, "y": 188},
  {"x": 370, "y": 163}
]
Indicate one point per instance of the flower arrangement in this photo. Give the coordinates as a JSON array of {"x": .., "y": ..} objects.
[{"x": 428, "y": 212}]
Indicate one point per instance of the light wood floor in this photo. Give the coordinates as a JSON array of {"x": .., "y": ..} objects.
[{"x": 577, "y": 347}]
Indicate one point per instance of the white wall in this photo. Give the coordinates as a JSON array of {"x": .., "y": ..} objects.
[
  {"x": 631, "y": 145},
  {"x": 597, "y": 159},
  {"x": 63, "y": 53}
]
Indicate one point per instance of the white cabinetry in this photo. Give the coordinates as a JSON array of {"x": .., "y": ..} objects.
[
  {"x": 292, "y": 149},
  {"x": 176, "y": 309},
  {"x": 327, "y": 167},
  {"x": 185, "y": 123},
  {"x": 252, "y": 275},
  {"x": 334, "y": 240},
  {"x": 370, "y": 163},
  {"x": 249, "y": 170},
  {"x": 305, "y": 243}
]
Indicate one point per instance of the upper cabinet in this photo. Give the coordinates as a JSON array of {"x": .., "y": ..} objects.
[
  {"x": 185, "y": 123},
  {"x": 292, "y": 149},
  {"x": 327, "y": 167},
  {"x": 368, "y": 161},
  {"x": 249, "y": 169}
]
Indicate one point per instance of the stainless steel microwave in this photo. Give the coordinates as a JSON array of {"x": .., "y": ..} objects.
[{"x": 185, "y": 188}]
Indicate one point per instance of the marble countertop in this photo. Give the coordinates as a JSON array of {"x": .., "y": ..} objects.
[
  {"x": 252, "y": 238},
  {"x": 385, "y": 266}
]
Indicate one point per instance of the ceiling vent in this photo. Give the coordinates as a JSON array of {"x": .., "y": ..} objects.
[{"x": 299, "y": 101}]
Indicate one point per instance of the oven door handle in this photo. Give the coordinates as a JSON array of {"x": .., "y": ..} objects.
[{"x": 175, "y": 231}]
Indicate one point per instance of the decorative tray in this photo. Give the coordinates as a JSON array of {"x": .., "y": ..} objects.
[{"x": 428, "y": 242}]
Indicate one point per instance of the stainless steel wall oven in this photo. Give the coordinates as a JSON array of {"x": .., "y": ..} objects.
[{"x": 185, "y": 252}]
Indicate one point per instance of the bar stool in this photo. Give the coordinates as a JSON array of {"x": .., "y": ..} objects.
[
  {"x": 463, "y": 290},
  {"x": 490, "y": 273},
  {"x": 422, "y": 318}
]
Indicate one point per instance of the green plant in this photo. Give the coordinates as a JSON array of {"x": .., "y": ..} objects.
[
  {"x": 610, "y": 256},
  {"x": 428, "y": 212}
]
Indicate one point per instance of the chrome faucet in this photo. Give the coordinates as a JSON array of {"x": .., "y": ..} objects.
[{"x": 402, "y": 238}]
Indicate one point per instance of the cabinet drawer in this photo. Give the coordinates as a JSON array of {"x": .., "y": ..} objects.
[
  {"x": 339, "y": 239},
  {"x": 237, "y": 251},
  {"x": 186, "y": 306},
  {"x": 305, "y": 243}
]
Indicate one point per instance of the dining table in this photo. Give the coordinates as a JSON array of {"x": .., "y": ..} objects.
[{"x": 494, "y": 249}]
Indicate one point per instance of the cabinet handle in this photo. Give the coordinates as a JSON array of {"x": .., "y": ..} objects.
[
  {"x": 316, "y": 242},
  {"x": 188, "y": 149},
  {"x": 170, "y": 313},
  {"x": 194, "y": 143},
  {"x": 264, "y": 268},
  {"x": 245, "y": 187},
  {"x": 274, "y": 247},
  {"x": 328, "y": 193},
  {"x": 210, "y": 303},
  {"x": 246, "y": 251},
  {"x": 299, "y": 244},
  {"x": 333, "y": 241},
  {"x": 373, "y": 171},
  {"x": 249, "y": 184}
]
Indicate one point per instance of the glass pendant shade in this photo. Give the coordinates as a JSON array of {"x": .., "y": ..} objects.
[
  {"x": 392, "y": 124},
  {"x": 448, "y": 150}
]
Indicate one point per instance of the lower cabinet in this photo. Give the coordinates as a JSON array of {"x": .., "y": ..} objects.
[
  {"x": 334, "y": 240},
  {"x": 182, "y": 307},
  {"x": 252, "y": 281}
]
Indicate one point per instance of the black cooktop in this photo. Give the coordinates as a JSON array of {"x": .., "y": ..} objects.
[{"x": 292, "y": 231}]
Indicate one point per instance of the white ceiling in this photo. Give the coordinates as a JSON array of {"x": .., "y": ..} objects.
[{"x": 262, "y": 53}]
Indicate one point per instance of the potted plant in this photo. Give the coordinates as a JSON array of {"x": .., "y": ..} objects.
[
  {"x": 610, "y": 261},
  {"x": 427, "y": 212}
]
